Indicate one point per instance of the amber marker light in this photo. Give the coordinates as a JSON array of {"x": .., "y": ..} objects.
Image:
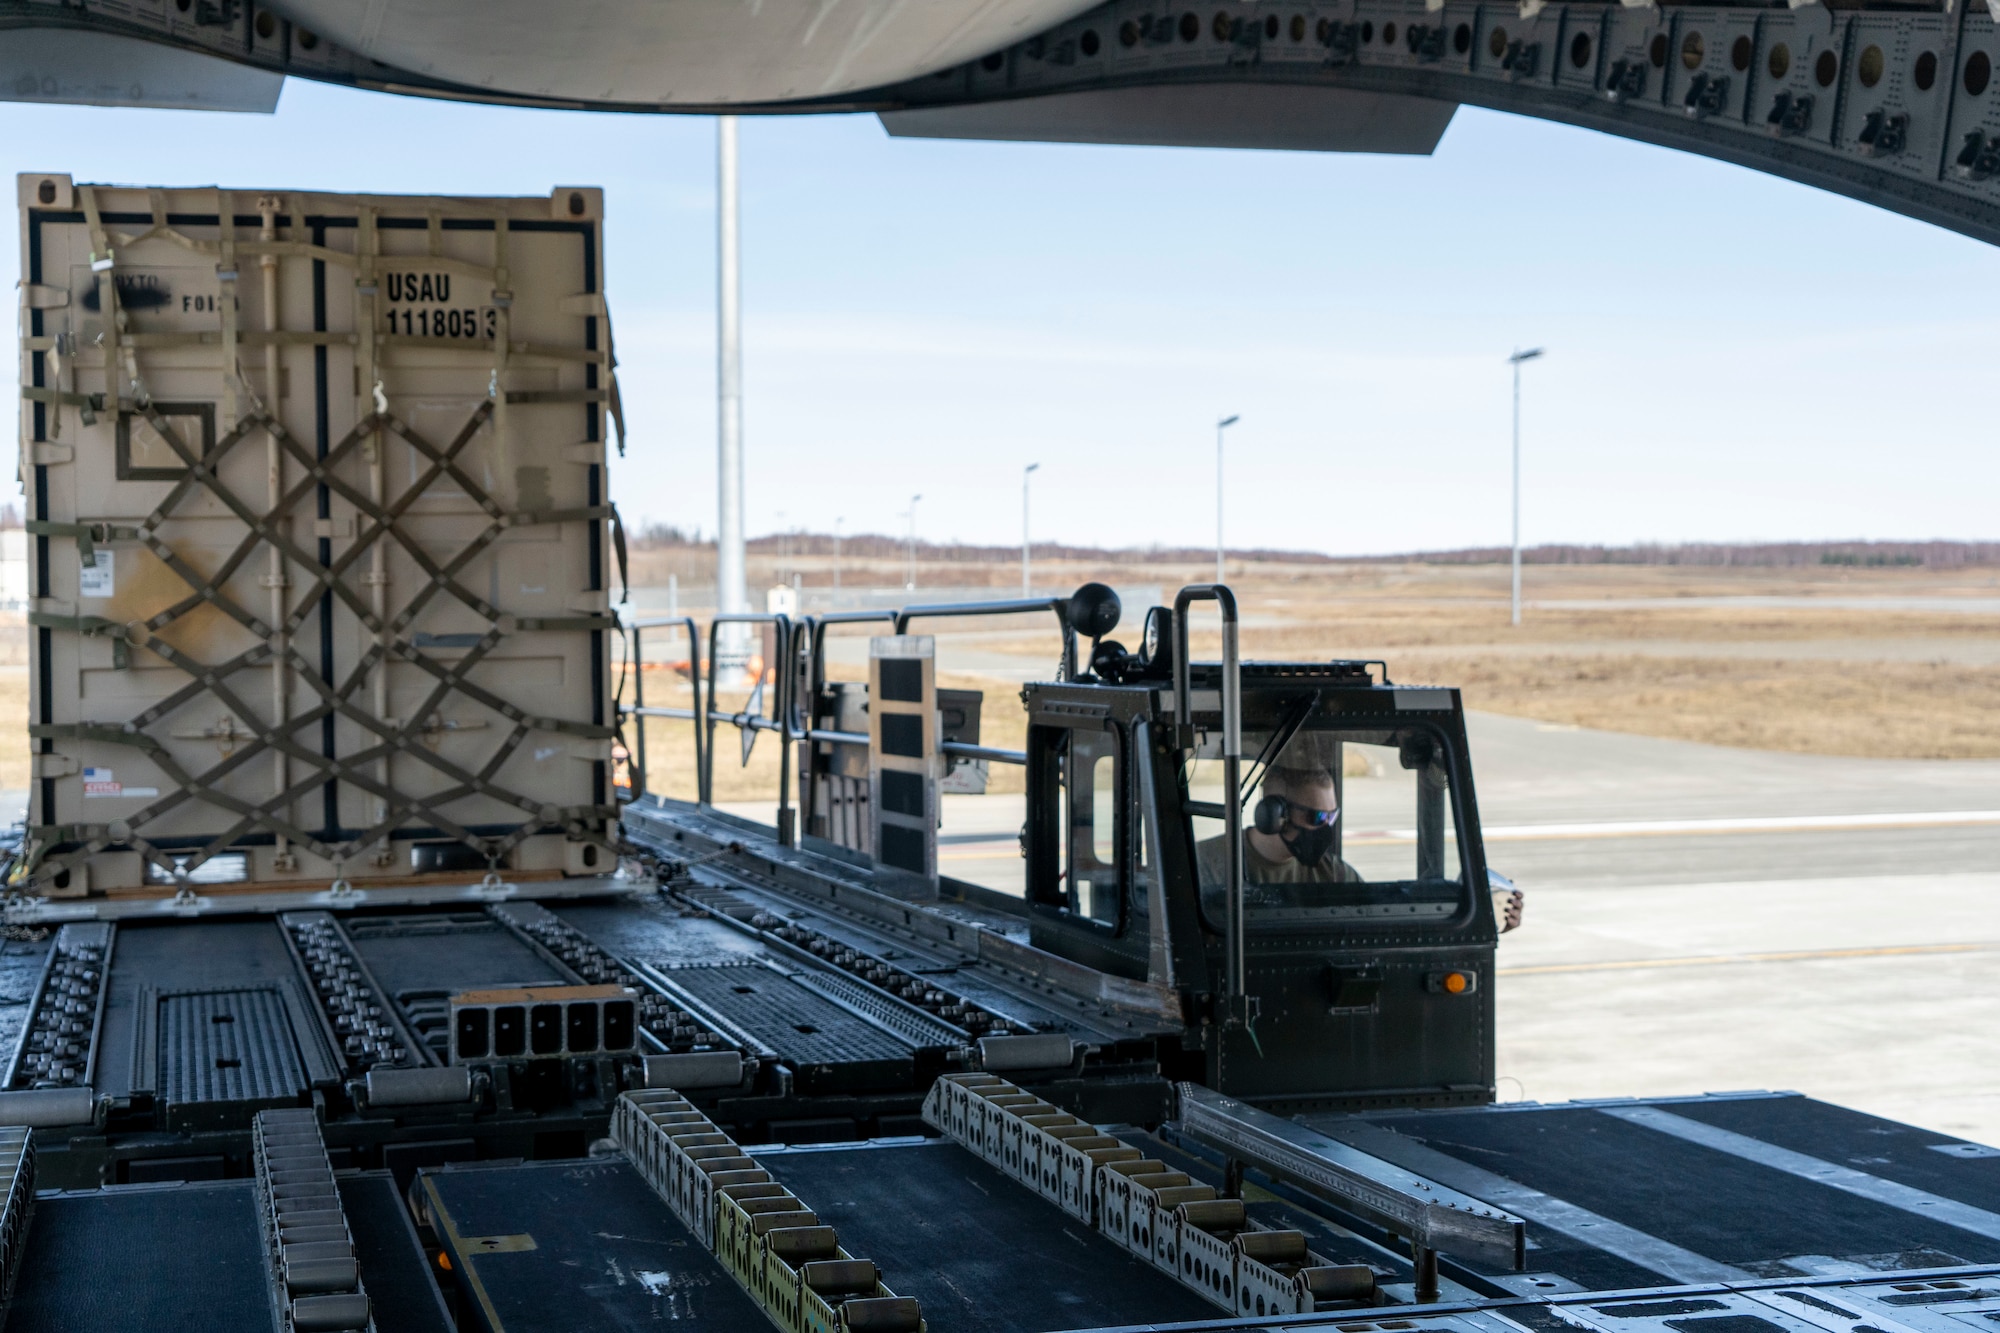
[{"x": 1454, "y": 983}]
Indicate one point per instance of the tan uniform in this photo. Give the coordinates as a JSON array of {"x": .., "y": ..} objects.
[{"x": 1213, "y": 859}]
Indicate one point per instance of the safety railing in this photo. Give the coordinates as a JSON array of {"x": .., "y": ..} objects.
[
  {"x": 780, "y": 718},
  {"x": 1016, "y": 607},
  {"x": 1232, "y": 760},
  {"x": 797, "y": 679},
  {"x": 638, "y": 708},
  {"x": 967, "y": 750},
  {"x": 814, "y": 629},
  {"x": 815, "y": 678}
]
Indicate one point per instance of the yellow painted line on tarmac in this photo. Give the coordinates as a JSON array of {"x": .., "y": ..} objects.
[{"x": 1734, "y": 959}]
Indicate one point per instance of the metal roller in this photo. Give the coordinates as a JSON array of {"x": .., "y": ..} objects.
[
  {"x": 321, "y": 1275},
  {"x": 419, "y": 1087},
  {"x": 330, "y": 1314},
  {"x": 1041, "y": 1050},
  {"x": 46, "y": 1108},
  {"x": 695, "y": 1069},
  {"x": 1340, "y": 1282},
  {"x": 882, "y": 1314}
]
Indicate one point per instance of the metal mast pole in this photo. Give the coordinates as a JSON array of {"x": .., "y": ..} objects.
[
  {"x": 1515, "y": 361},
  {"x": 1026, "y": 472},
  {"x": 1517, "y": 490},
  {"x": 731, "y": 596},
  {"x": 1220, "y": 427}
]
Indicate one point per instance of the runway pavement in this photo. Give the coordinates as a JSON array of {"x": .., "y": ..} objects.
[{"x": 1741, "y": 919}]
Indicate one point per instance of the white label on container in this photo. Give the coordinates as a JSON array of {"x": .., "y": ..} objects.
[
  {"x": 103, "y": 782},
  {"x": 97, "y": 580}
]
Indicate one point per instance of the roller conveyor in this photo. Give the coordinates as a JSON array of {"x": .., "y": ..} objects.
[
  {"x": 741, "y": 878},
  {"x": 926, "y": 1212},
  {"x": 948, "y": 1229},
  {"x": 780, "y": 1013}
]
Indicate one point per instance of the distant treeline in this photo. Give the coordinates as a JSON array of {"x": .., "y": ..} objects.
[
  {"x": 1861, "y": 554},
  {"x": 1926, "y": 555},
  {"x": 877, "y": 546}
]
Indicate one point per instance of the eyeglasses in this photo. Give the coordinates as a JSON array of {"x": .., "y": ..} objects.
[{"x": 1307, "y": 817}]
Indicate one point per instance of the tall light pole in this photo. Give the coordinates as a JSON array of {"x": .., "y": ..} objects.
[
  {"x": 1515, "y": 361},
  {"x": 911, "y": 582},
  {"x": 731, "y": 591},
  {"x": 1026, "y": 472},
  {"x": 1220, "y": 427}
]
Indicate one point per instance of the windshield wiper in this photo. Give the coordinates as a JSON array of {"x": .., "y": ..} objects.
[{"x": 1288, "y": 727}]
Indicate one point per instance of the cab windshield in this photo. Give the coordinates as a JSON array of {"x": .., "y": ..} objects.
[{"x": 1336, "y": 822}]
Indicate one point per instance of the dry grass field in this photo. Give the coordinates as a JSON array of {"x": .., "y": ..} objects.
[
  {"x": 1843, "y": 661},
  {"x": 1823, "y": 660},
  {"x": 1892, "y": 663},
  {"x": 1849, "y": 678},
  {"x": 1887, "y": 710},
  {"x": 1875, "y": 667}
]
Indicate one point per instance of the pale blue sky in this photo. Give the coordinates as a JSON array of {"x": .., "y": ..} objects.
[{"x": 1730, "y": 356}]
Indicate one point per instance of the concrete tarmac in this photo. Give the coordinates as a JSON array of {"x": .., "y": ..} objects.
[{"x": 1847, "y": 963}]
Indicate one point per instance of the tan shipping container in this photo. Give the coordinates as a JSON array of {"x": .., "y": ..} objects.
[{"x": 319, "y": 544}]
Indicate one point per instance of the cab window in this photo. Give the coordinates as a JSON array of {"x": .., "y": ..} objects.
[
  {"x": 1096, "y": 828},
  {"x": 1078, "y": 783},
  {"x": 1340, "y": 822}
]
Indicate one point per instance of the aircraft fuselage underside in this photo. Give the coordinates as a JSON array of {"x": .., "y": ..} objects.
[{"x": 1891, "y": 106}]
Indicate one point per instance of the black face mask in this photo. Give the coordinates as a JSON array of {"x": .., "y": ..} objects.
[{"x": 1309, "y": 846}]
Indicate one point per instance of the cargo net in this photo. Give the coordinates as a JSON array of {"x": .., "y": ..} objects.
[{"x": 392, "y": 639}]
